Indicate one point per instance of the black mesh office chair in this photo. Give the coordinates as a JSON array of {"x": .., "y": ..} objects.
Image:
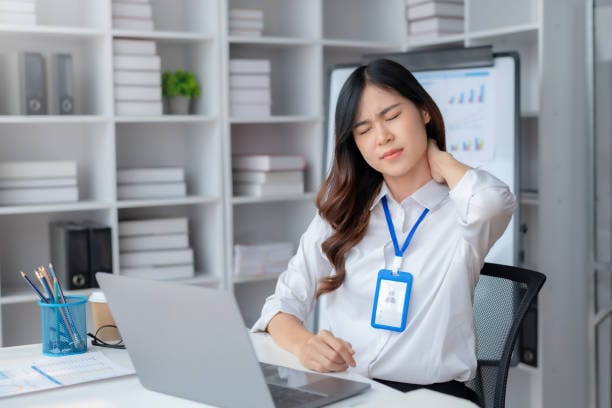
[{"x": 501, "y": 299}]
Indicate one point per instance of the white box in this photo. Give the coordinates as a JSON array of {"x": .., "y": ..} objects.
[
  {"x": 177, "y": 225},
  {"x": 153, "y": 242},
  {"x": 436, "y": 24},
  {"x": 17, "y": 18},
  {"x": 249, "y": 81},
  {"x": 143, "y": 11},
  {"x": 137, "y": 63},
  {"x": 256, "y": 96},
  {"x": 132, "y": 24},
  {"x": 39, "y": 182},
  {"x": 268, "y": 177},
  {"x": 250, "y": 14},
  {"x": 137, "y": 93},
  {"x": 160, "y": 273},
  {"x": 138, "y": 108},
  {"x": 37, "y": 169},
  {"x": 13, "y": 6},
  {"x": 258, "y": 190},
  {"x": 152, "y": 175},
  {"x": 415, "y": 2},
  {"x": 20, "y": 196},
  {"x": 249, "y": 66},
  {"x": 155, "y": 258},
  {"x": 151, "y": 190},
  {"x": 123, "y": 46},
  {"x": 249, "y": 110},
  {"x": 427, "y": 10},
  {"x": 268, "y": 162},
  {"x": 249, "y": 25},
  {"x": 133, "y": 78}
]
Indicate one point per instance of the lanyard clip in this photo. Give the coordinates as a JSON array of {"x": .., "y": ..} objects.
[{"x": 397, "y": 264}]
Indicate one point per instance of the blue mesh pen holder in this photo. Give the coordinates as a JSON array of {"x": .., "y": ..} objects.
[{"x": 64, "y": 327}]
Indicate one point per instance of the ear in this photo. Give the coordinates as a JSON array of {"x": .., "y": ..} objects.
[{"x": 425, "y": 116}]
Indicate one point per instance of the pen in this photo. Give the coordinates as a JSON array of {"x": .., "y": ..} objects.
[
  {"x": 29, "y": 282},
  {"x": 44, "y": 283}
]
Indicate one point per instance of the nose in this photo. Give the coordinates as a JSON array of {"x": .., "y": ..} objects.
[{"x": 383, "y": 134}]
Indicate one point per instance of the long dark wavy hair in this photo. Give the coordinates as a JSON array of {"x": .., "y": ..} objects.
[{"x": 347, "y": 193}]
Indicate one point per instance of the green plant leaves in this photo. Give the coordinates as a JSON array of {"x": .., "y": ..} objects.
[{"x": 180, "y": 83}]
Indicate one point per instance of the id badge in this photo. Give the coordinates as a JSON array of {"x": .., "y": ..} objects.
[{"x": 391, "y": 299}]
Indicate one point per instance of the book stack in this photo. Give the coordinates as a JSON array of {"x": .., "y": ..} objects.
[
  {"x": 265, "y": 175},
  {"x": 38, "y": 182},
  {"x": 137, "y": 77},
  {"x": 245, "y": 22},
  {"x": 434, "y": 18},
  {"x": 18, "y": 12},
  {"x": 250, "y": 87},
  {"x": 266, "y": 259},
  {"x": 151, "y": 183},
  {"x": 132, "y": 15},
  {"x": 155, "y": 249}
]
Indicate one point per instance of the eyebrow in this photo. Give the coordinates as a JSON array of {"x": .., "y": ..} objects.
[{"x": 382, "y": 112}]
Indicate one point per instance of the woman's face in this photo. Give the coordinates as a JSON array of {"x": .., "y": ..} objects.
[{"x": 389, "y": 131}]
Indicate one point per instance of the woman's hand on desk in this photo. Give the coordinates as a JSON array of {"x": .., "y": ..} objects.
[{"x": 324, "y": 352}]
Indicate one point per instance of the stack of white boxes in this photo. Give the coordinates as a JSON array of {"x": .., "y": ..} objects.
[
  {"x": 137, "y": 77},
  {"x": 155, "y": 249},
  {"x": 38, "y": 182},
  {"x": 266, "y": 175},
  {"x": 18, "y": 12},
  {"x": 151, "y": 183},
  {"x": 434, "y": 18},
  {"x": 249, "y": 82},
  {"x": 246, "y": 22},
  {"x": 265, "y": 259},
  {"x": 132, "y": 15}
]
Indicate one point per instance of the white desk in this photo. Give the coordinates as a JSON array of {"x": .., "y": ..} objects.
[{"x": 128, "y": 392}]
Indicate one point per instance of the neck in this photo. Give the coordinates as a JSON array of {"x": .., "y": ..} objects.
[{"x": 405, "y": 185}]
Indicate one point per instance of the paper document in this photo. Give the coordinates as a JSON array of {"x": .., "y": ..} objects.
[{"x": 50, "y": 372}]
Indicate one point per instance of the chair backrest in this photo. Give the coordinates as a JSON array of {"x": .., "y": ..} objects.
[{"x": 501, "y": 299}]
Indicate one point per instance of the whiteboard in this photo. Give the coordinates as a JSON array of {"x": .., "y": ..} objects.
[{"x": 480, "y": 107}]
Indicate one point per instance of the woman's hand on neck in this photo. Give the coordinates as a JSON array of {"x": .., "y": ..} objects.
[{"x": 444, "y": 168}]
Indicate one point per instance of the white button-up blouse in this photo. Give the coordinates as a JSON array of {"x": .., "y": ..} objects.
[{"x": 445, "y": 258}]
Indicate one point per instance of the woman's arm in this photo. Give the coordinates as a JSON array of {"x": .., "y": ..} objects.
[{"x": 321, "y": 352}]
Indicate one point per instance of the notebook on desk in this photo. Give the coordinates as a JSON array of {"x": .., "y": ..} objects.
[{"x": 191, "y": 342}]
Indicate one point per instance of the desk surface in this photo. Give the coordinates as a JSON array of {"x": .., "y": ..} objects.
[{"x": 127, "y": 391}]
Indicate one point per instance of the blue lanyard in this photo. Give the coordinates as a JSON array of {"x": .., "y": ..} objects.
[{"x": 398, "y": 252}]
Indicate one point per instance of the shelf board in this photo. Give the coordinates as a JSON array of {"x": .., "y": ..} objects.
[
  {"x": 277, "y": 119},
  {"x": 166, "y": 119},
  {"x": 52, "y": 208},
  {"x": 160, "y": 202},
  {"x": 270, "y": 41},
  {"x": 442, "y": 40},
  {"x": 198, "y": 279},
  {"x": 525, "y": 32},
  {"x": 274, "y": 198},
  {"x": 52, "y": 119},
  {"x": 15, "y": 293},
  {"x": 164, "y": 36},
  {"x": 529, "y": 198},
  {"x": 256, "y": 278},
  {"x": 358, "y": 45},
  {"x": 51, "y": 31}
]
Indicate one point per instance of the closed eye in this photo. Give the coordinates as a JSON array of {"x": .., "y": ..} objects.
[
  {"x": 393, "y": 117},
  {"x": 363, "y": 131}
]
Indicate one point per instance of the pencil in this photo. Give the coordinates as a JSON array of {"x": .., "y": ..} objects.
[
  {"x": 44, "y": 283},
  {"x": 59, "y": 285},
  {"x": 31, "y": 284},
  {"x": 46, "y": 276}
]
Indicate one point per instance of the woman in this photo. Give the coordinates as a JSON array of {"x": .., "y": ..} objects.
[{"x": 391, "y": 185}]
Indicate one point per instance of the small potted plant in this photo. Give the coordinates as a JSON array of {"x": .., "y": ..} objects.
[{"x": 180, "y": 88}]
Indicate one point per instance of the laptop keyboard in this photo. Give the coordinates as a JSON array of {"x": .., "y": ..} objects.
[{"x": 291, "y": 397}]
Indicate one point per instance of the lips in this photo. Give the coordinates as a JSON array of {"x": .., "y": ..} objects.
[{"x": 391, "y": 154}]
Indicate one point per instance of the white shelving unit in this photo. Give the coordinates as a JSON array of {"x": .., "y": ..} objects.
[{"x": 301, "y": 38}]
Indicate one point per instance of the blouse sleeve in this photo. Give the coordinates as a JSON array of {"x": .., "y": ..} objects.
[
  {"x": 485, "y": 205},
  {"x": 296, "y": 287}
]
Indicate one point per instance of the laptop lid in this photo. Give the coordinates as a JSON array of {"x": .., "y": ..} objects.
[{"x": 191, "y": 342}]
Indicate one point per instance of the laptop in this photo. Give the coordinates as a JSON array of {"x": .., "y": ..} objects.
[{"x": 191, "y": 342}]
